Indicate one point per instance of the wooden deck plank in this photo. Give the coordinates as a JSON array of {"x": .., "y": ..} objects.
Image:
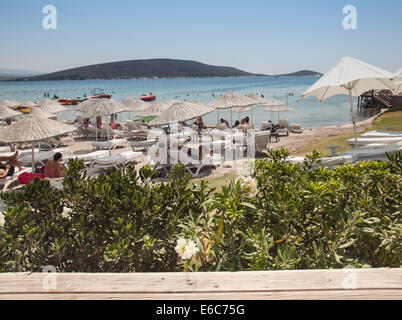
[
  {"x": 278, "y": 295},
  {"x": 326, "y": 284}
]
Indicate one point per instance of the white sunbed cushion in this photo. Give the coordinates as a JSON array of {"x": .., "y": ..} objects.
[
  {"x": 90, "y": 156},
  {"x": 110, "y": 143},
  {"x": 118, "y": 158}
]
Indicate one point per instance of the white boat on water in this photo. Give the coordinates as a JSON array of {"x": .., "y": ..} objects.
[
  {"x": 382, "y": 134},
  {"x": 383, "y": 140}
]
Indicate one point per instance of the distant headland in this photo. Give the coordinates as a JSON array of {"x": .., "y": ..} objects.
[{"x": 150, "y": 68}]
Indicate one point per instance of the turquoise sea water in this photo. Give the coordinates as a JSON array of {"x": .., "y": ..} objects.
[{"x": 308, "y": 112}]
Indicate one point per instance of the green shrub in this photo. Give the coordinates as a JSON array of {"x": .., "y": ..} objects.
[{"x": 284, "y": 216}]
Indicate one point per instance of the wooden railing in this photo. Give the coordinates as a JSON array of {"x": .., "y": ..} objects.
[{"x": 304, "y": 284}]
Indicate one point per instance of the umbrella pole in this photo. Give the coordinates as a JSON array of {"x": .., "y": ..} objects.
[
  {"x": 33, "y": 157},
  {"x": 108, "y": 139},
  {"x": 252, "y": 120},
  {"x": 353, "y": 116},
  {"x": 217, "y": 122},
  {"x": 231, "y": 120}
]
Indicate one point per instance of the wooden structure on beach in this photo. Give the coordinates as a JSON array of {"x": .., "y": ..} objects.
[
  {"x": 376, "y": 99},
  {"x": 301, "y": 284}
]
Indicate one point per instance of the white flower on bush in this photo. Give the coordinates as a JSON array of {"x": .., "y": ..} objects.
[
  {"x": 186, "y": 248},
  {"x": 249, "y": 186}
]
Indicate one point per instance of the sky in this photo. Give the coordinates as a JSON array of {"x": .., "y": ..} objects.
[{"x": 260, "y": 36}]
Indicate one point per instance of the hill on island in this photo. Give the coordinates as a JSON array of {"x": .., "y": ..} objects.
[{"x": 150, "y": 68}]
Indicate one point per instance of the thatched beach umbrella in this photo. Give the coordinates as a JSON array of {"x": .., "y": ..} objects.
[
  {"x": 230, "y": 100},
  {"x": 351, "y": 77},
  {"x": 33, "y": 129},
  {"x": 278, "y": 107},
  {"x": 135, "y": 105},
  {"x": 27, "y": 103},
  {"x": 181, "y": 111},
  {"x": 36, "y": 111},
  {"x": 6, "y": 112},
  {"x": 155, "y": 109},
  {"x": 9, "y": 103},
  {"x": 99, "y": 108},
  {"x": 51, "y": 106}
]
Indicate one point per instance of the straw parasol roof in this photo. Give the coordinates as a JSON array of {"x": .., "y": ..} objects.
[
  {"x": 100, "y": 107},
  {"x": 36, "y": 111},
  {"x": 9, "y": 103},
  {"x": 232, "y": 99},
  {"x": 241, "y": 109},
  {"x": 6, "y": 112},
  {"x": 155, "y": 109},
  {"x": 133, "y": 104},
  {"x": 27, "y": 103},
  {"x": 261, "y": 101},
  {"x": 181, "y": 111},
  {"x": 32, "y": 128},
  {"x": 51, "y": 106},
  {"x": 278, "y": 108}
]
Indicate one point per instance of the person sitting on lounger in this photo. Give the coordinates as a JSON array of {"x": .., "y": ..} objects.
[
  {"x": 225, "y": 121},
  {"x": 54, "y": 168},
  {"x": 8, "y": 169},
  {"x": 245, "y": 120}
]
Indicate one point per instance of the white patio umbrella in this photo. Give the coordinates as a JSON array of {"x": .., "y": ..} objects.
[
  {"x": 351, "y": 77},
  {"x": 33, "y": 129},
  {"x": 51, "y": 106},
  {"x": 181, "y": 111},
  {"x": 230, "y": 100},
  {"x": 101, "y": 107},
  {"x": 398, "y": 82}
]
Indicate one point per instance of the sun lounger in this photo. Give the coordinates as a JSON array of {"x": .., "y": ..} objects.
[
  {"x": 297, "y": 128},
  {"x": 382, "y": 134},
  {"x": 88, "y": 158},
  {"x": 142, "y": 144},
  {"x": 112, "y": 144},
  {"x": 329, "y": 162},
  {"x": 262, "y": 140},
  {"x": 375, "y": 153},
  {"x": 115, "y": 160},
  {"x": 8, "y": 182},
  {"x": 42, "y": 156},
  {"x": 384, "y": 140}
]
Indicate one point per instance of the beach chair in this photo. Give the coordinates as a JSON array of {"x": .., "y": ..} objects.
[
  {"x": 222, "y": 126},
  {"x": 297, "y": 128},
  {"x": 11, "y": 182},
  {"x": 142, "y": 145},
  {"x": 112, "y": 144},
  {"x": 284, "y": 128},
  {"x": 116, "y": 160},
  {"x": 262, "y": 141},
  {"x": 382, "y": 134},
  {"x": 383, "y": 140},
  {"x": 328, "y": 162},
  {"x": 375, "y": 153},
  {"x": 88, "y": 158},
  {"x": 266, "y": 126}
]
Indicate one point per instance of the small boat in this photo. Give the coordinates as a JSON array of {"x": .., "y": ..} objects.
[
  {"x": 150, "y": 97},
  {"x": 102, "y": 96}
]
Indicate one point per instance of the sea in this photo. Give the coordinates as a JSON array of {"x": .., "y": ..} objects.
[{"x": 308, "y": 112}]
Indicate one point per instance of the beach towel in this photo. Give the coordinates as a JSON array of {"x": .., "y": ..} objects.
[{"x": 26, "y": 177}]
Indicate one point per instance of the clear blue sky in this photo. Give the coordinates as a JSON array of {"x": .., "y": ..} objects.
[{"x": 256, "y": 35}]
